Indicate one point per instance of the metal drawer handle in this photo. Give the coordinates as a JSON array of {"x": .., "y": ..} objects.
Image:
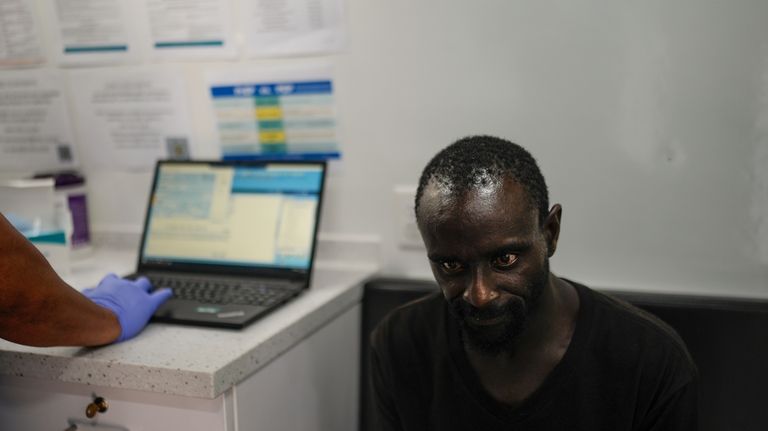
[{"x": 99, "y": 405}]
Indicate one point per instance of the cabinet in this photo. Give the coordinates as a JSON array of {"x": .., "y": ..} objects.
[{"x": 311, "y": 386}]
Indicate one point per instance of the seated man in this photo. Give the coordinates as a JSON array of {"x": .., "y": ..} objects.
[{"x": 509, "y": 345}]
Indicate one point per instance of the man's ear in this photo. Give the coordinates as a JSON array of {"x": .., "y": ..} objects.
[{"x": 551, "y": 228}]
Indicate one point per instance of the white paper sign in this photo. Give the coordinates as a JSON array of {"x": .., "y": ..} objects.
[
  {"x": 35, "y": 131},
  {"x": 19, "y": 37},
  {"x": 191, "y": 28},
  {"x": 94, "y": 31},
  {"x": 127, "y": 118},
  {"x": 292, "y": 27}
]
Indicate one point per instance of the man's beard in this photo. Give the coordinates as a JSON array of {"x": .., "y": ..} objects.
[{"x": 493, "y": 340}]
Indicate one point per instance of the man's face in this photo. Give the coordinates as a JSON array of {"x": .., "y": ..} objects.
[{"x": 490, "y": 257}]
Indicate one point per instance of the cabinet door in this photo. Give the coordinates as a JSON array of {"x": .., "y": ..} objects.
[
  {"x": 29, "y": 404},
  {"x": 312, "y": 386}
]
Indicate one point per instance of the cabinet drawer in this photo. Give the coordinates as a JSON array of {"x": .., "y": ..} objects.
[{"x": 43, "y": 405}]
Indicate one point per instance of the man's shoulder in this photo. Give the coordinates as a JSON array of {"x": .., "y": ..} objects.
[
  {"x": 632, "y": 332},
  {"x": 630, "y": 317}
]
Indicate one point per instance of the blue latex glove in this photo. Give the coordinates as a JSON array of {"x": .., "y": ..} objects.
[{"x": 129, "y": 300}]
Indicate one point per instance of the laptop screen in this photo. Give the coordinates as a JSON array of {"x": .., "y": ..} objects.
[{"x": 233, "y": 214}]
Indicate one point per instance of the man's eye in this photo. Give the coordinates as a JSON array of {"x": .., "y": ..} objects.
[
  {"x": 505, "y": 260},
  {"x": 450, "y": 266}
]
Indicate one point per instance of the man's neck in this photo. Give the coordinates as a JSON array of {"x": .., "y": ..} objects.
[{"x": 514, "y": 375}]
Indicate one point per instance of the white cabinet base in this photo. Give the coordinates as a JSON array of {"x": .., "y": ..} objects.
[{"x": 312, "y": 386}]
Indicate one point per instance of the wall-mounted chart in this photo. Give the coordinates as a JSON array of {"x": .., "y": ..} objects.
[{"x": 276, "y": 114}]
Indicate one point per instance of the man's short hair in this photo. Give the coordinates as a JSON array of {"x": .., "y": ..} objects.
[{"x": 472, "y": 161}]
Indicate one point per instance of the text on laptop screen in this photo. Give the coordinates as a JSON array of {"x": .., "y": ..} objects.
[{"x": 234, "y": 215}]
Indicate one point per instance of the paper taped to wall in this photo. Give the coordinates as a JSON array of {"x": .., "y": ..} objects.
[
  {"x": 129, "y": 117},
  {"x": 35, "y": 130},
  {"x": 275, "y": 112}
]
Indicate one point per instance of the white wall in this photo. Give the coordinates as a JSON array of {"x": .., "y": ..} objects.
[{"x": 649, "y": 119}]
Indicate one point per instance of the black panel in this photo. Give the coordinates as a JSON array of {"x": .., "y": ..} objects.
[{"x": 380, "y": 296}]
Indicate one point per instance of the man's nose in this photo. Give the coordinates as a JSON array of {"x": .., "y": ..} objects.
[{"x": 481, "y": 289}]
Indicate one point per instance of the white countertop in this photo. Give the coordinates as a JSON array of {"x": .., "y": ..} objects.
[{"x": 183, "y": 360}]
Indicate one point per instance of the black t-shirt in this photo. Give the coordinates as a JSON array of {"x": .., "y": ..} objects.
[{"x": 623, "y": 370}]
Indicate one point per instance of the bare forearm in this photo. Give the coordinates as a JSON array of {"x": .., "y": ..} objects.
[
  {"x": 38, "y": 308},
  {"x": 65, "y": 319}
]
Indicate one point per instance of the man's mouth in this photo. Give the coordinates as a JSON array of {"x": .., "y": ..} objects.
[{"x": 487, "y": 321}]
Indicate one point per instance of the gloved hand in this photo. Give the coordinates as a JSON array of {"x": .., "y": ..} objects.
[{"x": 129, "y": 300}]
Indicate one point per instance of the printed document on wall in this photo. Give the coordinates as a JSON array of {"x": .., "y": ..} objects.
[
  {"x": 292, "y": 27},
  {"x": 19, "y": 34},
  {"x": 191, "y": 28},
  {"x": 35, "y": 130},
  {"x": 268, "y": 112},
  {"x": 94, "y": 31},
  {"x": 127, "y": 118}
]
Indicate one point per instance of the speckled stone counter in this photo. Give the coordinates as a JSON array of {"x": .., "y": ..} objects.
[{"x": 192, "y": 361}]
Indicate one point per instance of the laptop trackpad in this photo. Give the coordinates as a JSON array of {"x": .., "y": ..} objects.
[{"x": 180, "y": 310}]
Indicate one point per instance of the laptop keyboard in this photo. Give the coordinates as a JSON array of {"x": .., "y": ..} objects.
[{"x": 223, "y": 291}]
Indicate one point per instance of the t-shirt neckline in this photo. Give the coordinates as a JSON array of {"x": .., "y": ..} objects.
[{"x": 544, "y": 394}]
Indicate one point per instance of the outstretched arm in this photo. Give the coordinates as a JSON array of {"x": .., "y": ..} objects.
[{"x": 38, "y": 308}]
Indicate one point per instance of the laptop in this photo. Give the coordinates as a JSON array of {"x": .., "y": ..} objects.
[{"x": 234, "y": 239}]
